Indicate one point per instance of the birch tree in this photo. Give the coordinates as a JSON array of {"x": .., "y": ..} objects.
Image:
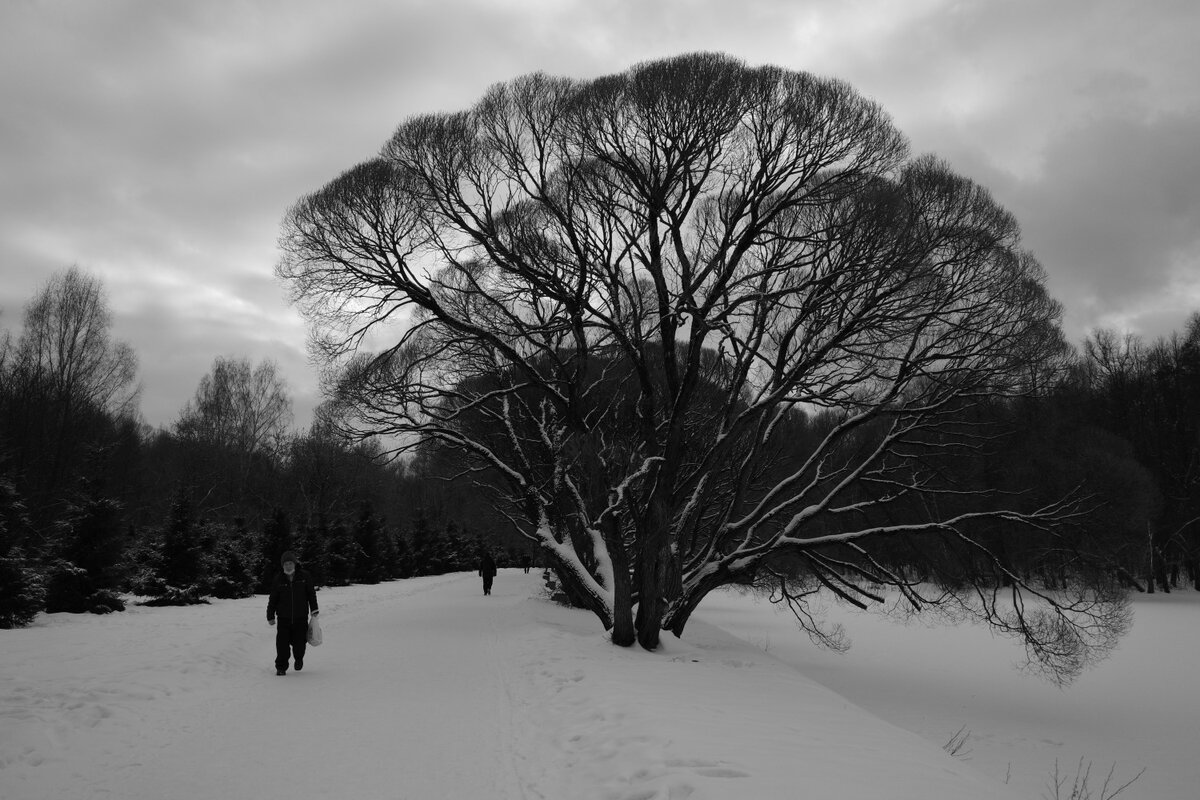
[
  {"x": 233, "y": 429},
  {"x": 67, "y": 345},
  {"x": 618, "y": 298},
  {"x": 238, "y": 408}
]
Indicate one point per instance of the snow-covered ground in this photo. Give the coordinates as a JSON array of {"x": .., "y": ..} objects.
[
  {"x": 1138, "y": 709},
  {"x": 426, "y": 689}
]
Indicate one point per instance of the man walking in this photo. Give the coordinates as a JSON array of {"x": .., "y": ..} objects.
[
  {"x": 292, "y": 595},
  {"x": 487, "y": 569}
]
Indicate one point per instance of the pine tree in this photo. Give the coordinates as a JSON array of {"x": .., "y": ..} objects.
[
  {"x": 422, "y": 546},
  {"x": 22, "y": 593},
  {"x": 368, "y": 567},
  {"x": 14, "y": 518},
  {"x": 276, "y": 539},
  {"x": 313, "y": 542},
  {"x": 181, "y": 553},
  {"x": 341, "y": 554},
  {"x": 91, "y": 537},
  {"x": 228, "y": 562}
]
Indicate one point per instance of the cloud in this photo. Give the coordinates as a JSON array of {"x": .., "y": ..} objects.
[
  {"x": 160, "y": 143},
  {"x": 1115, "y": 215}
]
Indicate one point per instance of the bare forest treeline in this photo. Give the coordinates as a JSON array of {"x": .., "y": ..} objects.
[{"x": 95, "y": 504}]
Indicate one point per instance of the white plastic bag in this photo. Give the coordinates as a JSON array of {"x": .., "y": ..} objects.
[{"x": 315, "y": 636}]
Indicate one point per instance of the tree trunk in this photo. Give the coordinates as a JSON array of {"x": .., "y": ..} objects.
[
  {"x": 576, "y": 589},
  {"x": 623, "y": 632},
  {"x": 650, "y": 598},
  {"x": 680, "y": 612},
  {"x": 1150, "y": 556},
  {"x": 653, "y": 553},
  {"x": 1160, "y": 572}
]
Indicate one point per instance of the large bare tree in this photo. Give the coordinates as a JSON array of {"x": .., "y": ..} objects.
[{"x": 621, "y": 300}]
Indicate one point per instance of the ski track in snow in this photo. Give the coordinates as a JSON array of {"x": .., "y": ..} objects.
[{"x": 426, "y": 689}]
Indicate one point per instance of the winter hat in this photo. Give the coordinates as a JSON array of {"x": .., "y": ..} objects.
[{"x": 288, "y": 555}]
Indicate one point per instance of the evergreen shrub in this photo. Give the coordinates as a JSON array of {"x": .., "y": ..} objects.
[
  {"x": 67, "y": 588},
  {"x": 190, "y": 595},
  {"x": 22, "y": 592}
]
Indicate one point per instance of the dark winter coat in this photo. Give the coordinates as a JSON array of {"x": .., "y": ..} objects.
[
  {"x": 292, "y": 598},
  {"x": 487, "y": 567}
]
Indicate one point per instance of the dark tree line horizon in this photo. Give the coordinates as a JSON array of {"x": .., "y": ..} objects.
[{"x": 94, "y": 503}]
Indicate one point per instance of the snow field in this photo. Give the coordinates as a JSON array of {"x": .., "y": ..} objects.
[
  {"x": 425, "y": 689},
  {"x": 709, "y": 717},
  {"x": 191, "y": 707},
  {"x": 1138, "y": 709}
]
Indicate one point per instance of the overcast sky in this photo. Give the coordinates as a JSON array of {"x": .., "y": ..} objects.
[{"x": 158, "y": 143}]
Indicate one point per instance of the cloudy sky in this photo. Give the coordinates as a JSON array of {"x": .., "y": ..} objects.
[{"x": 158, "y": 143}]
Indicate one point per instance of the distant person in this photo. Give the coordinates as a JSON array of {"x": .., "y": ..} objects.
[
  {"x": 292, "y": 595},
  {"x": 487, "y": 570},
  {"x": 526, "y": 562}
]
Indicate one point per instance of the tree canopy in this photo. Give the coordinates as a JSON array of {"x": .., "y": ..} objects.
[{"x": 701, "y": 323}]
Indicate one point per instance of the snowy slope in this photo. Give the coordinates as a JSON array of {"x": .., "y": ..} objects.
[
  {"x": 426, "y": 689},
  {"x": 1138, "y": 709}
]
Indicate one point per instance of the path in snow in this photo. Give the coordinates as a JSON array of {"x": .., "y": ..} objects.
[{"x": 410, "y": 684}]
